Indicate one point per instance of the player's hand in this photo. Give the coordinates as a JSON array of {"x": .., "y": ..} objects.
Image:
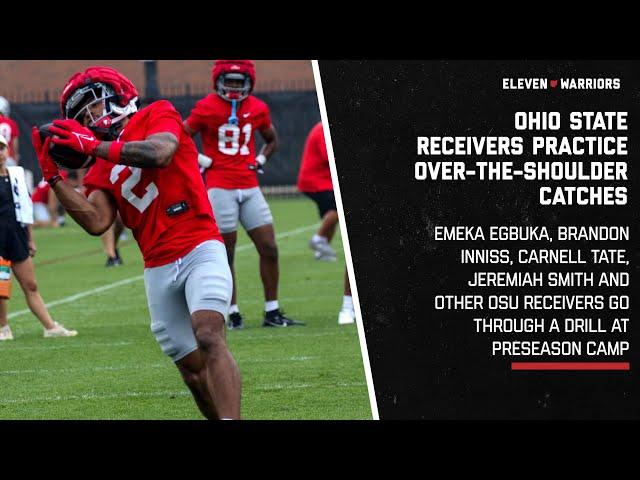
[
  {"x": 71, "y": 134},
  {"x": 259, "y": 165},
  {"x": 47, "y": 165},
  {"x": 258, "y": 168}
]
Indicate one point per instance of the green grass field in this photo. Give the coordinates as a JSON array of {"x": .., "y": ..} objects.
[{"x": 114, "y": 369}]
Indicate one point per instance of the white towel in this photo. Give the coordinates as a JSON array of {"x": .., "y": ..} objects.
[{"x": 21, "y": 197}]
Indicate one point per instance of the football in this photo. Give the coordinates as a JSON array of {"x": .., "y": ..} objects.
[{"x": 65, "y": 156}]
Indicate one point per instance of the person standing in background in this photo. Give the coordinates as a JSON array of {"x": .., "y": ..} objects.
[
  {"x": 17, "y": 246},
  {"x": 227, "y": 121},
  {"x": 314, "y": 180}
]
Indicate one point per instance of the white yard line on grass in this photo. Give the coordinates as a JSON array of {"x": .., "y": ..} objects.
[
  {"x": 168, "y": 366},
  {"x": 80, "y": 295},
  {"x": 163, "y": 393},
  {"x": 127, "y": 281},
  {"x": 7, "y": 347}
]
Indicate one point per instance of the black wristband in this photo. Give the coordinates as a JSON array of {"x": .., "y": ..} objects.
[{"x": 53, "y": 180}]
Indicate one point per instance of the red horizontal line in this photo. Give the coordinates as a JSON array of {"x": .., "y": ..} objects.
[{"x": 570, "y": 366}]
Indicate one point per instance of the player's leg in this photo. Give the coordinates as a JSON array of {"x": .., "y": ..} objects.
[
  {"x": 256, "y": 218},
  {"x": 230, "y": 240},
  {"x": 25, "y": 274},
  {"x": 226, "y": 209},
  {"x": 118, "y": 228},
  {"x": 171, "y": 326},
  {"x": 208, "y": 293},
  {"x": 328, "y": 226},
  {"x": 328, "y": 211},
  {"x": 347, "y": 313},
  {"x": 264, "y": 240},
  {"x": 109, "y": 247},
  {"x": 193, "y": 369},
  {"x": 222, "y": 370}
]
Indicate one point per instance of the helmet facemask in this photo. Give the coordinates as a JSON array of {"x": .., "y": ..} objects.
[
  {"x": 233, "y": 93},
  {"x": 98, "y": 102}
]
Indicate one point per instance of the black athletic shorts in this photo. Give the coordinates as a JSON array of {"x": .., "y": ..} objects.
[
  {"x": 14, "y": 243},
  {"x": 324, "y": 200}
]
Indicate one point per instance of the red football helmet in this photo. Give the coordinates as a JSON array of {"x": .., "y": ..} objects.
[
  {"x": 240, "y": 70},
  {"x": 103, "y": 93}
]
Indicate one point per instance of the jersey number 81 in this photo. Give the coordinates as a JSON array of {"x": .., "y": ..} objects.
[{"x": 229, "y": 136}]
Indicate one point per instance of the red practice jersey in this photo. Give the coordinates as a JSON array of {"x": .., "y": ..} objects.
[
  {"x": 166, "y": 208},
  {"x": 9, "y": 130},
  {"x": 232, "y": 147},
  {"x": 315, "y": 175}
]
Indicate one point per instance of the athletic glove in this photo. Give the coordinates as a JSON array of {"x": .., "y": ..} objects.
[
  {"x": 204, "y": 161},
  {"x": 47, "y": 165},
  {"x": 73, "y": 135},
  {"x": 260, "y": 161}
]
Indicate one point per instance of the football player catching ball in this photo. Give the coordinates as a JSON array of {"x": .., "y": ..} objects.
[{"x": 147, "y": 170}]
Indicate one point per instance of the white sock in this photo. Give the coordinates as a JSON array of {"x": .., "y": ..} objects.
[
  {"x": 347, "y": 302},
  {"x": 317, "y": 238},
  {"x": 5, "y": 329},
  {"x": 271, "y": 305},
  {"x": 234, "y": 309}
]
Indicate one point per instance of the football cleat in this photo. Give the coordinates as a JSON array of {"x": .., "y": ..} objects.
[
  {"x": 322, "y": 249},
  {"x": 235, "y": 321},
  {"x": 321, "y": 257},
  {"x": 346, "y": 317},
  {"x": 6, "y": 333},
  {"x": 59, "y": 331},
  {"x": 275, "y": 318},
  {"x": 113, "y": 262}
]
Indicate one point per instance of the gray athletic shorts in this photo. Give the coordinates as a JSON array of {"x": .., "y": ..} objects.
[
  {"x": 246, "y": 204},
  {"x": 201, "y": 280}
]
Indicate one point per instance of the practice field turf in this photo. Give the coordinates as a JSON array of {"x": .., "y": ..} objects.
[{"x": 114, "y": 368}]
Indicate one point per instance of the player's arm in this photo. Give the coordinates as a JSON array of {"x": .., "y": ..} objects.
[
  {"x": 203, "y": 160},
  {"x": 52, "y": 207},
  {"x": 95, "y": 214},
  {"x": 155, "y": 151},
  {"x": 270, "y": 137},
  {"x": 188, "y": 128}
]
